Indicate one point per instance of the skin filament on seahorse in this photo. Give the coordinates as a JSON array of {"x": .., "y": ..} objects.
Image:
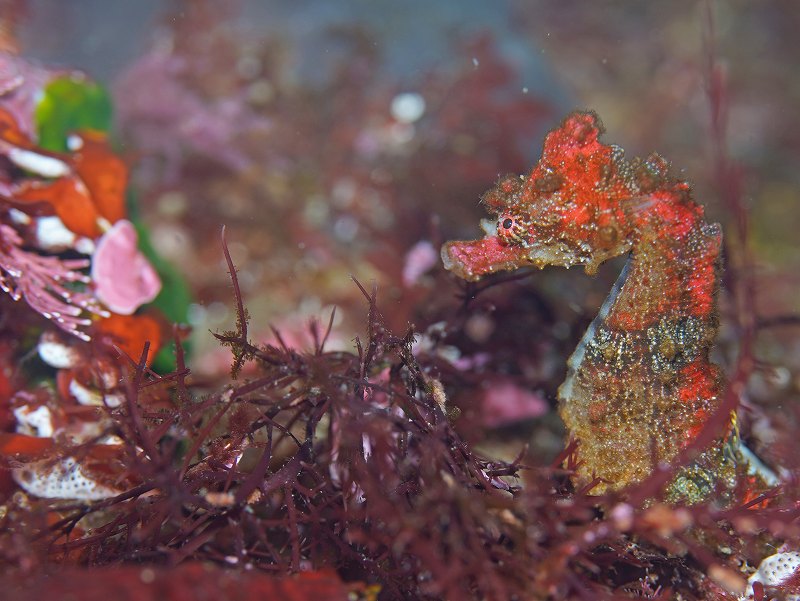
[{"x": 640, "y": 385}]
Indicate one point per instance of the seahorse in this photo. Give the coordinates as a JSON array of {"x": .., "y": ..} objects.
[{"x": 640, "y": 385}]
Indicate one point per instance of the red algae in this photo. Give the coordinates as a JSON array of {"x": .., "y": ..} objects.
[
  {"x": 185, "y": 583},
  {"x": 323, "y": 469}
]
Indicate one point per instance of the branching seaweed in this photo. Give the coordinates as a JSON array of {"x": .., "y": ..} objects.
[{"x": 349, "y": 461}]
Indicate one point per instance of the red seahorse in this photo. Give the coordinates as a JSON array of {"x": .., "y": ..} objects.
[{"x": 640, "y": 384}]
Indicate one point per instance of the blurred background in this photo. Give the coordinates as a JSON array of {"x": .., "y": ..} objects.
[{"x": 352, "y": 137}]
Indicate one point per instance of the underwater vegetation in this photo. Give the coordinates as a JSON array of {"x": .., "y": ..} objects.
[{"x": 370, "y": 417}]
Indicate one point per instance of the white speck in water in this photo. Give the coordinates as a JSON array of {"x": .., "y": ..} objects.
[
  {"x": 196, "y": 314},
  {"x": 475, "y": 62},
  {"x": 345, "y": 229},
  {"x": 525, "y": 90},
  {"x": 408, "y": 107},
  {"x": 248, "y": 66}
]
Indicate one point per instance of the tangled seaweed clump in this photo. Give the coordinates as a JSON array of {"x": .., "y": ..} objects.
[
  {"x": 349, "y": 461},
  {"x": 415, "y": 462},
  {"x": 344, "y": 460}
]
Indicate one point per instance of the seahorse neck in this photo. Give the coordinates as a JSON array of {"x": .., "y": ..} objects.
[{"x": 673, "y": 269}]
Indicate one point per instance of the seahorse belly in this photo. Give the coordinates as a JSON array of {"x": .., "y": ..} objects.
[{"x": 640, "y": 385}]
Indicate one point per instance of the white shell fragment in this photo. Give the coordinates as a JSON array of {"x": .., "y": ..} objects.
[
  {"x": 34, "y": 422},
  {"x": 64, "y": 479},
  {"x": 18, "y": 216},
  {"x": 775, "y": 571},
  {"x": 39, "y": 164},
  {"x": 93, "y": 397},
  {"x": 52, "y": 234},
  {"x": 55, "y": 353},
  {"x": 85, "y": 246}
]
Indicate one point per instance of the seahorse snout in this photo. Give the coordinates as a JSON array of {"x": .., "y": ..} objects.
[{"x": 473, "y": 259}]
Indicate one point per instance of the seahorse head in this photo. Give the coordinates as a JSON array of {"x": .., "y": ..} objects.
[{"x": 578, "y": 206}]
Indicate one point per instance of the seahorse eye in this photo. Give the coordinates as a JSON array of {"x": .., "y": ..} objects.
[{"x": 511, "y": 229}]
